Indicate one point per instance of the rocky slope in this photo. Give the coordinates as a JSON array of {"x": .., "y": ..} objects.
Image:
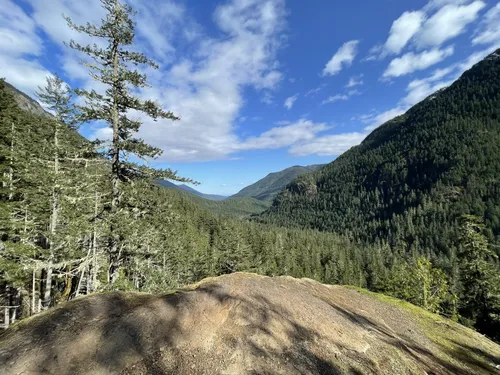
[
  {"x": 245, "y": 324},
  {"x": 25, "y": 102}
]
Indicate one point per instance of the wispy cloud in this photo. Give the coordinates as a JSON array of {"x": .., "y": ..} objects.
[
  {"x": 488, "y": 31},
  {"x": 430, "y": 27},
  {"x": 335, "y": 98},
  {"x": 447, "y": 23},
  {"x": 402, "y": 30},
  {"x": 290, "y": 101},
  {"x": 355, "y": 81},
  {"x": 342, "y": 58},
  {"x": 314, "y": 91},
  {"x": 411, "y": 62},
  {"x": 340, "y": 97}
]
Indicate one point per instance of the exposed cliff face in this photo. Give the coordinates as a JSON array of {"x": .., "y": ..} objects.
[
  {"x": 25, "y": 102},
  {"x": 245, "y": 324}
]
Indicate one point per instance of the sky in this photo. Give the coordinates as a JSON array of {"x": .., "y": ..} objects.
[{"x": 261, "y": 85}]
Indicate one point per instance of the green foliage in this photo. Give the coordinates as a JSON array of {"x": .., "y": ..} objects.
[
  {"x": 419, "y": 283},
  {"x": 230, "y": 207},
  {"x": 267, "y": 188},
  {"x": 480, "y": 278},
  {"x": 411, "y": 180}
]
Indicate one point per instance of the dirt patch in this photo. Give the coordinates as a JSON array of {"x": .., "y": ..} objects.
[{"x": 244, "y": 324}]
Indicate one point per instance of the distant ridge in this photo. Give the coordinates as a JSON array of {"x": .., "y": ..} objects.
[
  {"x": 267, "y": 188},
  {"x": 170, "y": 185}
]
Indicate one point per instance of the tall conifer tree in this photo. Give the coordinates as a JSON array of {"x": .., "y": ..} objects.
[{"x": 112, "y": 68}]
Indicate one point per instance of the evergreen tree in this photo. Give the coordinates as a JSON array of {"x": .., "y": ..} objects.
[
  {"x": 480, "y": 300},
  {"x": 57, "y": 96},
  {"x": 111, "y": 67}
]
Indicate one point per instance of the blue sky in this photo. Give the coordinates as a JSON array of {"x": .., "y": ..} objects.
[{"x": 261, "y": 85}]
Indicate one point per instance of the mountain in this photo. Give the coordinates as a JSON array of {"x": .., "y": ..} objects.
[
  {"x": 183, "y": 187},
  {"x": 236, "y": 207},
  {"x": 267, "y": 188},
  {"x": 245, "y": 324},
  {"x": 25, "y": 102},
  {"x": 231, "y": 207},
  {"x": 412, "y": 179}
]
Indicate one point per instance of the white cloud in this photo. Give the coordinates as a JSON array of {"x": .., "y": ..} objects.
[
  {"x": 335, "y": 98},
  {"x": 23, "y": 74},
  {"x": 314, "y": 91},
  {"x": 375, "y": 120},
  {"x": 343, "y": 58},
  {"x": 329, "y": 145},
  {"x": 489, "y": 29},
  {"x": 48, "y": 15},
  {"x": 267, "y": 98},
  {"x": 355, "y": 81},
  {"x": 104, "y": 133},
  {"x": 432, "y": 5},
  {"x": 19, "y": 47},
  {"x": 158, "y": 35},
  {"x": 402, "y": 30},
  {"x": 338, "y": 97},
  {"x": 207, "y": 90},
  {"x": 284, "y": 136},
  {"x": 17, "y": 31},
  {"x": 411, "y": 62},
  {"x": 290, "y": 101},
  {"x": 447, "y": 23},
  {"x": 419, "y": 89},
  {"x": 431, "y": 26}
]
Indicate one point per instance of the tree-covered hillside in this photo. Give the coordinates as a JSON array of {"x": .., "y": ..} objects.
[
  {"x": 411, "y": 180},
  {"x": 188, "y": 189},
  {"x": 267, "y": 188},
  {"x": 170, "y": 239},
  {"x": 166, "y": 240}
]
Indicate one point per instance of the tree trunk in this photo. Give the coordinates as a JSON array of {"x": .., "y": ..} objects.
[
  {"x": 115, "y": 159},
  {"x": 53, "y": 218},
  {"x": 16, "y": 302},
  {"x": 6, "y": 319},
  {"x": 33, "y": 293},
  {"x": 92, "y": 284},
  {"x": 48, "y": 287},
  {"x": 11, "y": 162}
]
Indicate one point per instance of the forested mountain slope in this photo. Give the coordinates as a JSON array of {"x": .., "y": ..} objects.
[
  {"x": 231, "y": 207},
  {"x": 245, "y": 324},
  {"x": 267, "y": 188},
  {"x": 236, "y": 207},
  {"x": 183, "y": 187},
  {"x": 411, "y": 180}
]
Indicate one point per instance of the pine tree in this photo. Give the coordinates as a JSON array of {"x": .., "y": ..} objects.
[
  {"x": 57, "y": 96},
  {"x": 480, "y": 300},
  {"x": 111, "y": 67}
]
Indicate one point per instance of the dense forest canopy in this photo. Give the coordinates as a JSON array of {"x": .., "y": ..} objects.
[{"x": 411, "y": 180}]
